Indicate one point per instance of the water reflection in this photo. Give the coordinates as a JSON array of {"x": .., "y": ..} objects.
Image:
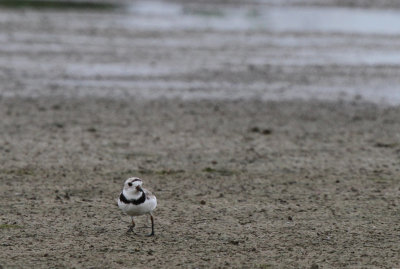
[
  {"x": 279, "y": 19},
  {"x": 154, "y": 49},
  {"x": 168, "y": 15}
]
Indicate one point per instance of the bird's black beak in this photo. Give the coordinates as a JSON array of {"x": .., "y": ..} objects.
[{"x": 138, "y": 188}]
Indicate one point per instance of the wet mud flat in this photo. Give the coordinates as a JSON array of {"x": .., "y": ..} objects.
[
  {"x": 240, "y": 184},
  {"x": 267, "y": 145},
  {"x": 153, "y": 50}
]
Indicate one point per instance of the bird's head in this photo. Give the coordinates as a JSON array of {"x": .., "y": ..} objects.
[{"x": 133, "y": 185}]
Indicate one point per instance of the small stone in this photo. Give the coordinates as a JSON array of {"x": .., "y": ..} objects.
[
  {"x": 59, "y": 125},
  {"x": 290, "y": 218},
  {"x": 314, "y": 266},
  {"x": 255, "y": 129},
  {"x": 354, "y": 189},
  {"x": 56, "y": 107},
  {"x": 234, "y": 242},
  {"x": 266, "y": 131},
  {"x": 202, "y": 202}
]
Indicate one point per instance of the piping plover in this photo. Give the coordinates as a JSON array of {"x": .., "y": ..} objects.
[{"x": 135, "y": 201}]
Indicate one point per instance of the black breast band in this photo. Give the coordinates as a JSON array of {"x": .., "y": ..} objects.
[{"x": 133, "y": 201}]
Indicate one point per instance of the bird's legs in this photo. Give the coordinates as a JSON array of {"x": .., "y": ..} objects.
[
  {"x": 132, "y": 226},
  {"x": 152, "y": 225}
]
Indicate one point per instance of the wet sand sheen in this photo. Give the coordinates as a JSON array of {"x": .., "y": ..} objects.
[
  {"x": 238, "y": 131},
  {"x": 151, "y": 50}
]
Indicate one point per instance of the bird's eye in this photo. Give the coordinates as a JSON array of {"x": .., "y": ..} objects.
[{"x": 130, "y": 184}]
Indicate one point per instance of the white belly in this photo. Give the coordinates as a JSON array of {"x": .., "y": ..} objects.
[{"x": 136, "y": 210}]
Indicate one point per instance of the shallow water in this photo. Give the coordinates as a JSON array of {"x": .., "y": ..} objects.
[
  {"x": 277, "y": 19},
  {"x": 156, "y": 50}
]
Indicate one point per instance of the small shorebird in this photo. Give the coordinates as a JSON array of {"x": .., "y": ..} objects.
[{"x": 135, "y": 201}]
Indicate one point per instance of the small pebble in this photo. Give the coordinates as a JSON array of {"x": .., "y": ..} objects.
[
  {"x": 234, "y": 242},
  {"x": 266, "y": 131},
  {"x": 255, "y": 129}
]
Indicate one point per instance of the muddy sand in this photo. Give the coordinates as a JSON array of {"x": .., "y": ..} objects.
[
  {"x": 267, "y": 145},
  {"x": 242, "y": 184}
]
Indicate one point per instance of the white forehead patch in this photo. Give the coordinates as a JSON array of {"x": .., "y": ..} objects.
[{"x": 133, "y": 179}]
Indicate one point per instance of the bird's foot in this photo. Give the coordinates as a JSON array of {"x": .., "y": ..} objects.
[
  {"x": 130, "y": 230},
  {"x": 152, "y": 234}
]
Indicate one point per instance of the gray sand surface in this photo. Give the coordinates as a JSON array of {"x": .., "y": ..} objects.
[
  {"x": 283, "y": 186},
  {"x": 265, "y": 148}
]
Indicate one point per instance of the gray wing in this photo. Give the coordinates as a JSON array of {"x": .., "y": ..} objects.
[{"x": 149, "y": 195}]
